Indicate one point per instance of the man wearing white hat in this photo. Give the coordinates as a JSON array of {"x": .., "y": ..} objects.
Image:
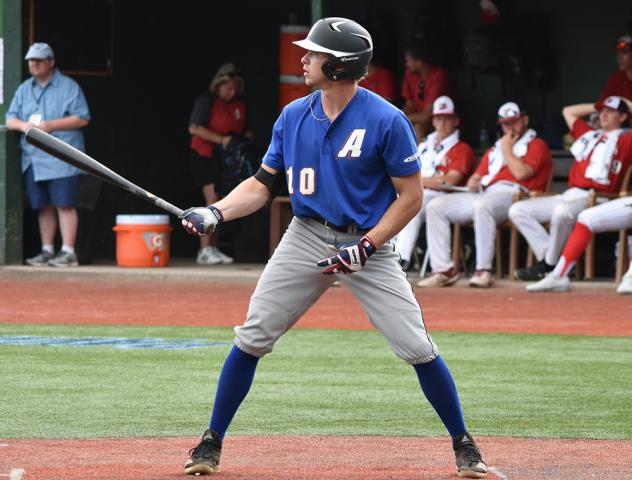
[
  {"x": 601, "y": 159},
  {"x": 446, "y": 162},
  {"x": 55, "y": 104},
  {"x": 519, "y": 161}
]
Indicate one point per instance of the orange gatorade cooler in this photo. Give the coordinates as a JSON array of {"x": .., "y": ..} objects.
[
  {"x": 289, "y": 54},
  {"x": 142, "y": 240},
  {"x": 291, "y": 87}
]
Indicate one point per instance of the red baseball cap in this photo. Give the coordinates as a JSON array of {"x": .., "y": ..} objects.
[
  {"x": 624, "y": 44},
  {"x": 614, "y": 102}
]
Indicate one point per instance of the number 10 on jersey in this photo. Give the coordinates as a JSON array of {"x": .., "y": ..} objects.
[{"x": 306, "y": 181}]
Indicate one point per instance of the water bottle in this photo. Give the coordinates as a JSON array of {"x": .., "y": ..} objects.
[{"x": 484, "y": 137}]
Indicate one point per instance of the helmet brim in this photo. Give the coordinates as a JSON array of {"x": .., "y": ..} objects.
[{"x": 307, "y": 44}]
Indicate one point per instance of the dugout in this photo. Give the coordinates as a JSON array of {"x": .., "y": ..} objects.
[{"x": 141, "y": 65}]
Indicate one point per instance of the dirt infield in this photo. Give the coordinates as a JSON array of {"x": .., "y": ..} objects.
[
  {"x": 107, "y": 302},
  {"x": 81, "y": 301},
  {"x": 310, "y": 457}
]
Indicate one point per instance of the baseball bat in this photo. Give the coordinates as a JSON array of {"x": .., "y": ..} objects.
[{"x": 71, "y": 155}]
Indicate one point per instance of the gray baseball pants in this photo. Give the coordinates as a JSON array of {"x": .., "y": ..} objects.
[{"x": 291, "y": 283}]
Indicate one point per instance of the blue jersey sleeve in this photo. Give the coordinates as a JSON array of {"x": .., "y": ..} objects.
[
  {"x": 400, "y": 148},
  {"x": 274, "y": 156}
]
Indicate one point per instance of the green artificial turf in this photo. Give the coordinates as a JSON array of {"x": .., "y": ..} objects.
[{"x": 315, "y": 382}]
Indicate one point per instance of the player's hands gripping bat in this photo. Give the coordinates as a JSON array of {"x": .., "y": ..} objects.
[
  {"x": 201, "y": 221},
  {"x": 349, "y": 259},
  {"x": 69, "y": 154}
]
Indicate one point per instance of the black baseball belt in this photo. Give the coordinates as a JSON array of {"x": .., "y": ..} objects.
[{"x": 352, "y": 228}]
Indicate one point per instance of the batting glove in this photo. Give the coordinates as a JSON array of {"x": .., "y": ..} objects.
[
  {"x": 201, "y": 221},
  {"x": 349, "y": 259}
]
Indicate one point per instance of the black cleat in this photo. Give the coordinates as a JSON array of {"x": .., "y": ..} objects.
[
  {"x": 469, "y": 462},
  {"x": 204, "y": 459},
  {"x": 535, "y": 272}
]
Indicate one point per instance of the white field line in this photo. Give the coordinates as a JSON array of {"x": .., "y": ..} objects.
[
  {"x": 498, "y": 473},
  {"x": 16, "y": 474}
]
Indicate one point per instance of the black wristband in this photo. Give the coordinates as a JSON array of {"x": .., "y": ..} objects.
[{"x": 218, "y": 214}]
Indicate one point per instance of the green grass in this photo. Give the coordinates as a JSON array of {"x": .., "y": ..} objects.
[{"x": 315, "y": 382}]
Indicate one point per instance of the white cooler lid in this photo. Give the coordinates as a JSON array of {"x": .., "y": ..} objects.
[{"x": 142, "y": 219}]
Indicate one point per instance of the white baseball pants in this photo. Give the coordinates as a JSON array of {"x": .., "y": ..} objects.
[
  {"x": 485, "y": 210},
  {"x": 407, "y": 239},
  {"x": 559, "y": 210},
  {"x": 609, "y": 216}
]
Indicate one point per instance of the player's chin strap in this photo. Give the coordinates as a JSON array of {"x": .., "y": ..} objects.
[{"x": 349, "y": 259}]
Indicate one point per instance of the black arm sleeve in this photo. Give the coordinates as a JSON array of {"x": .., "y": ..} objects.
[
  {"x": 201, "y": 113},
  {"x": 275, "y": 182}
]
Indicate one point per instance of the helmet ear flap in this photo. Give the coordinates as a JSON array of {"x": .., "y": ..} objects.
[
  {"x": 340, "y": 68},
  {"x": 333, "y": 68}
]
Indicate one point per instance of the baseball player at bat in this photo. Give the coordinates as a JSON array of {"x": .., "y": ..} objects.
[{"x": 350, "y": 162}]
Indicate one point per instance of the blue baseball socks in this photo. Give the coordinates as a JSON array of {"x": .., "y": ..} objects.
[
  {"x": 234, "y": 384},
  {"x": 239, "y": 371},
  {"x": 438, "y": 385}
]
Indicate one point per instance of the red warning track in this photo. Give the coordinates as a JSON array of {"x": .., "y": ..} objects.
[
  {"x": 513, "y": 310},
  {"x": 315, "y": 457}
]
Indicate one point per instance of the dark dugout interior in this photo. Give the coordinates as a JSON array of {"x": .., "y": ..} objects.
[{"x": 143, "y": 63}]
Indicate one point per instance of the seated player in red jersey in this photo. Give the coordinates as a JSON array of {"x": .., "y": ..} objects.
[
  {"x": 446, "y": 161},
  {"x": 601, "y": 159},
  {"x": 518, "y": 162}
]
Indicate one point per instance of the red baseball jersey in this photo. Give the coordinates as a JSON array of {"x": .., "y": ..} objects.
[
  {"x": 460, "y": 158},
  {"x": 538, "y": 157},
  {"x": 424, "y": 92},
  {"x": 619, "y": 165},
  {"x": 381, "y": 81},
  {"x": 618, "y": 84},
  {"x": 218, "y": 116}
]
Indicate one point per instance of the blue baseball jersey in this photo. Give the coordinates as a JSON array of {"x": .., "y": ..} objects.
[{"x": 340, "y": 171}]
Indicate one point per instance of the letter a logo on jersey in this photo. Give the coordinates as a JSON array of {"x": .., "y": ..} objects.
[{"x": 353, "y": 146}]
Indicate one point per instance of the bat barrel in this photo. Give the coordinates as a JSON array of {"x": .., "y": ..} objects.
[{"x": 69, "y": 154}]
